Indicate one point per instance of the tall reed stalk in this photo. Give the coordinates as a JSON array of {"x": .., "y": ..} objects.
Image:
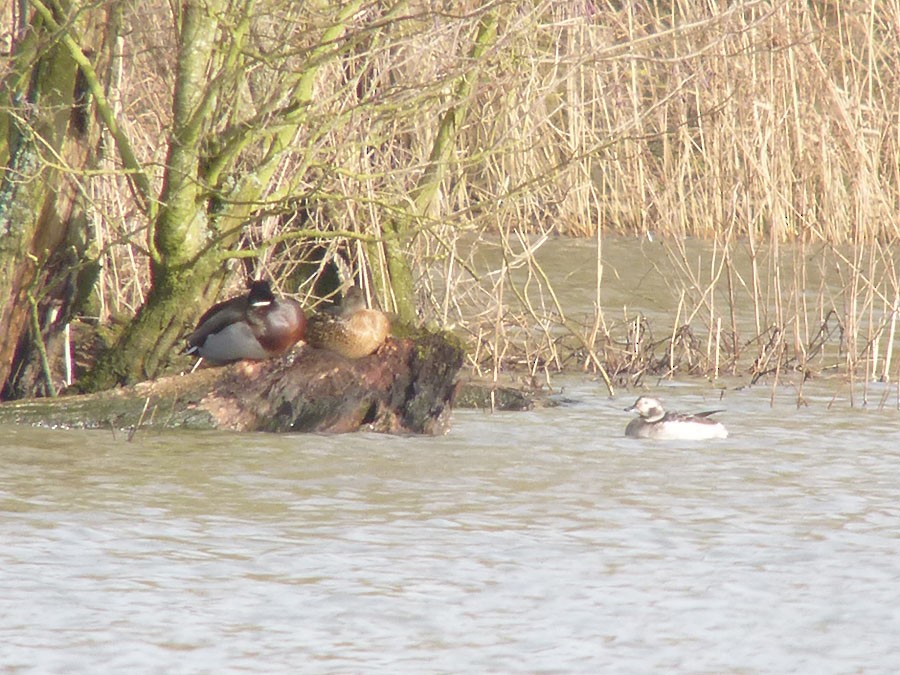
[{"x": 769, "y": 129}]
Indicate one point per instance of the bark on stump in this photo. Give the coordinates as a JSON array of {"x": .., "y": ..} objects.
[{"x": 407, "y": 386}]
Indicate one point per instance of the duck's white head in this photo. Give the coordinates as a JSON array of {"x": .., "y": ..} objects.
[{"x": 648, "y": 408}]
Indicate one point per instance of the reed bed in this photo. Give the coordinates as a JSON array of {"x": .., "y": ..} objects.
[
  {"x": 769, "y": 130},
  {"x": 794, "y": 324}
]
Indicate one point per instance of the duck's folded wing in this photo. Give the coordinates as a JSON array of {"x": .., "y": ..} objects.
[
  {"x": 216, "y": 318},
  {"x": 707, "y": 413},
  {"x": 700, "y": 417}
]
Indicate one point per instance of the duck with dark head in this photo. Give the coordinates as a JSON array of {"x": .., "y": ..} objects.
[{"x": 255, "y": 326}]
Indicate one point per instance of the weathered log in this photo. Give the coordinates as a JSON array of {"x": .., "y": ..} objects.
[{"x": 407, "y": 386}]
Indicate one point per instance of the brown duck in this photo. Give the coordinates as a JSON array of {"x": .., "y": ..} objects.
[{"x": 350, "y": 328}]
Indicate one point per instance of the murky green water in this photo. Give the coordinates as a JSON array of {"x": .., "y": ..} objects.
[{"x": 532, "y": 542}]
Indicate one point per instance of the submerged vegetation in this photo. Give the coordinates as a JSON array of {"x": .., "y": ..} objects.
[{"x": 433, "y": 154}]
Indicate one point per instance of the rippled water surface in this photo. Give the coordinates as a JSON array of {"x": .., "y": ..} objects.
[{"x": 520, "y": 542}]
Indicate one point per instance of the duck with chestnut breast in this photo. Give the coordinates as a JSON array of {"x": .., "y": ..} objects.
[
  {"x": 350, "y": 329},
  {"x": 654, "y": 422},
  {"x": 255, "y": 326}
]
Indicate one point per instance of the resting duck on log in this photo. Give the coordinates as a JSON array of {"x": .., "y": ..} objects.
[
  {"x": 257, "y": 326},
  {"x": 349, "y": 329},
  {"x": 406, "y": 386}
]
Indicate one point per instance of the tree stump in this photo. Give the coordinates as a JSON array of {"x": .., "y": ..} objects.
[{"x": 407, "y": 386}]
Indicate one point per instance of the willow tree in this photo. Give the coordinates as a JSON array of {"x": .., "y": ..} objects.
[
  {"x": 225, "y": 143},
  {"x": 266, "y": 100}
]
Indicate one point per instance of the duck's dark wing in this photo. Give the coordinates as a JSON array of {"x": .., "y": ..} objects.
[
  {"x": 702, "y": 417},
  {"x": 216, "y": 318},
  {"x": 706, "y": 413}
]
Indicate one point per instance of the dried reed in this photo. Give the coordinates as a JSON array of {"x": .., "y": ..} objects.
[{"x": 768, "y": 129}]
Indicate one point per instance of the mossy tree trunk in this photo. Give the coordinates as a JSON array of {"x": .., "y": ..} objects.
[
  {"x": 182, "y": 262},
  {"x": 246, "y": 82},
  {"x": 407, "y": 387},
  {"x": 47, "y": 136},
  {"x": 205, "y": 202}
]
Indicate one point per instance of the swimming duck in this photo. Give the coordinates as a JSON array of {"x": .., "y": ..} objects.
[
  {"x": 654, "y": 422},
  {"x": 349, "y": 329},
  {"x": 256, "y": 326}
]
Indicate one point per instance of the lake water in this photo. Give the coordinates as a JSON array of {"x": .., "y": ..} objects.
[{"x": 538, "y": 542}]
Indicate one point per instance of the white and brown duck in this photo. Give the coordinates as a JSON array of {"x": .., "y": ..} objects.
[{"x": 653, "y": 421}]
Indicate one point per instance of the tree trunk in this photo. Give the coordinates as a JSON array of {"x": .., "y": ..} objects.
[
  {"x": 204, "y": 207},
  {"x": 44, "y": 234},
  {"x": 401, "y": 229},
  {"x": 407, "y": 386}
]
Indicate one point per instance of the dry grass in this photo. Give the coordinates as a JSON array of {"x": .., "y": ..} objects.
[
  {"x": 753, "y": 127},
  {"x": 769, "y": 129}
]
